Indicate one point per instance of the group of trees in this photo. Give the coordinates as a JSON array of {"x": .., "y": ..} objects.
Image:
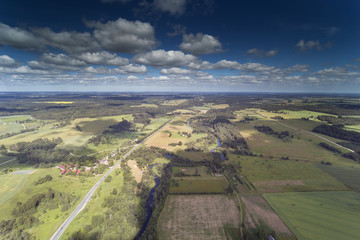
[
  {"x": 122, "y": 126},
  {"x": 339, "y": 120},
  {"x": 269, "y": 131},
  {"x": 338, "y": 132},
  {"x": 40, "y": 151},
  {"x": 24, "y": 214}
]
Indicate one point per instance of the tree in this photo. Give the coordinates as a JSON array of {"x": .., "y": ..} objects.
[{"x": 180, "y": 143}]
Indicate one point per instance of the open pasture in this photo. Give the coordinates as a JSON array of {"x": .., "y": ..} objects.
[
  {"x": 270, "y": 175},
  {"x": 319, "y": 215},
  {"x": 201, "y": 217}
]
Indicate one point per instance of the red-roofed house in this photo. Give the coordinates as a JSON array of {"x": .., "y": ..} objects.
[
  {"x": 63, "y": 171},
  {"x": 78, "y": 172},
  {"x": 67, "y": 171}
]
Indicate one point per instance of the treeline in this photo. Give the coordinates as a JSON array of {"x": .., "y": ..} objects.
[
  {"x": 96, "y": 140},
  {"x": 337, "y": 132},
  {"x": 122, "y": 126},
  {"x": 329, "y": 147},
  {"x": 45, "y": 152},
  {"x": 269, "y": 131},
  {"x": 158, "y": 204},
  {"x": 24, "y": 214},
  {"x": 7, "y": 135},
  {"x": 339, "y": 120},
  {"x": 40, "y": 151}
]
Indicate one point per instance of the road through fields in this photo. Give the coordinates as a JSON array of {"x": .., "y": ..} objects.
[{"x": 88, "y": 196}]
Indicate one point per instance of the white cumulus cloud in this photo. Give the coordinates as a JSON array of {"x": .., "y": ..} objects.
[
  {"x": 162, "y": 58},
  {"x": 200, "y": 44},
  {"x": 124, "y": 36}
]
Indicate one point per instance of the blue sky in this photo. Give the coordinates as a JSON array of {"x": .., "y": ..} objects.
[{"x": 180, "y": 45}]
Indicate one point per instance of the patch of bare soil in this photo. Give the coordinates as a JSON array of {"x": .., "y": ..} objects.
[
  {"x": 258, "y": 210},
  {"x": 197, "y": 217},
  {"x": 279, "y": 183},
  {"x": 136, "y": 172}
]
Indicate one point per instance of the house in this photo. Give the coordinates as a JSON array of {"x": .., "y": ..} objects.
[
  {"x": 67, "y": 171},
  {"x": 63, "y": 171},
  {"x": 78, "y": 172},
  {"x": 60, "y": 166}
]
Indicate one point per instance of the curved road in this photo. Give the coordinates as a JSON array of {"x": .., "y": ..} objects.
[{"x": 88, "y": 196}]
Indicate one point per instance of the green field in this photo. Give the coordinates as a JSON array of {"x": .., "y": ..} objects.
[
  {"x": 319, "y": 215},
  {"x": 199, "y": 185},
  {"x": 270, "y": 175},
  {"x": 11, "y": 184},
  {"x": 269, "y": 145},
  {"x": 350, "y": 176},
  {"x": 69, "y": 134}
]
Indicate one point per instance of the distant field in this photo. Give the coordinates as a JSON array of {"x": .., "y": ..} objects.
[
  {"x": 198, "y": 217},
  {"x": 199, "y": 185},
  {"x": 350, "y": 176},
  {"x": 220, "y": 106},
  {"x": 319, "y": 215},
  {"x": 146, "y": 105},
  {"x": 270, "y": 175},
  {"x": 174, "y": 102}
]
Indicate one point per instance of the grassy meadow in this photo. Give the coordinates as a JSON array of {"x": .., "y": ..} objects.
[{"x": 319, "y": 215}]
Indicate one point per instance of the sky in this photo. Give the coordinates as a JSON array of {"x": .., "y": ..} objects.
[{"x": 180, "y": 45}]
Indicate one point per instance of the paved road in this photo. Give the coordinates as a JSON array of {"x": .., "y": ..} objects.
[
  {"x": 308, "y": 132},
  {"x": 87, "y": 198}
]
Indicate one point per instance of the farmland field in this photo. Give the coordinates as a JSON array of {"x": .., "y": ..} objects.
[
  {"x": 197, "y": 217},
  {"x": 293, "y": 148},
  {"x": 350, "y": 176},
  {"x": 319, "y": 215},
  {"x": 199, "y": 185},
  {"x": 258, "y": 212},
  {"x": 284, "y": 175}
]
